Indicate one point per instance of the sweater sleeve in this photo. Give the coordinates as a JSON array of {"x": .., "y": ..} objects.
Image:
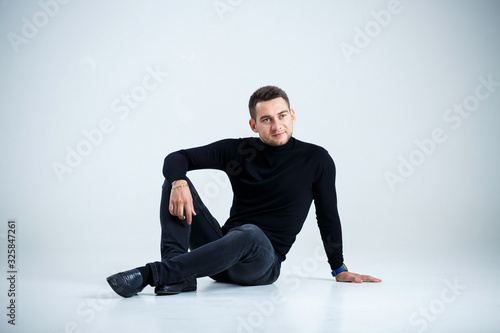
[
  {"x": 325, "y": 201},
  {"x": 211, "y": 156}
]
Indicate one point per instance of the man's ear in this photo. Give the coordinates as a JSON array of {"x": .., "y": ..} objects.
[
  {"x": 292, "y": 113},
  {"x": 251, "y": 122}
]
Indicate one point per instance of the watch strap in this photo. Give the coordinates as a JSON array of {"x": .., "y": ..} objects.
[{"x": 337, "y": 271}]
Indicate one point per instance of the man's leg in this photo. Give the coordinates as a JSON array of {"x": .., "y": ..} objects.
[
  {"x": 176, "y": 238},
  {"x": 262, "y": 266},
  {"x": 176, "y": 235},
  {"x": 244, "y": 256}
]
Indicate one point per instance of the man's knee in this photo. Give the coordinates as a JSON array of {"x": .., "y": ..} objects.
[
  {"x": 250, "y": 230},
  {"x": 249, "y": 236}
]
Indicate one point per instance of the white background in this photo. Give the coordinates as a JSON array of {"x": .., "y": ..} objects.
[{"x": 65, "y": 69}]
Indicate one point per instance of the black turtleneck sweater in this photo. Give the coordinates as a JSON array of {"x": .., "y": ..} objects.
[{"x": 273, "y": 187}]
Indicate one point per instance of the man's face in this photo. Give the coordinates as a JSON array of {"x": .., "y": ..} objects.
[{"x": 273, "y": 121}]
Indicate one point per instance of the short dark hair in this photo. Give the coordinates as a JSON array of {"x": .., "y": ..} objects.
[{"x": 264, "y": 94}]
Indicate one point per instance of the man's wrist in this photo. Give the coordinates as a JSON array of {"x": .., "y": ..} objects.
[
  {"x": 179, "y": 182},
  {"x": 339, "y": 270}
]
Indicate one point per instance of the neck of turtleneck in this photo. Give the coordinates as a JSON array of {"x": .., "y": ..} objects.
[{"x": 284, "y": 147}]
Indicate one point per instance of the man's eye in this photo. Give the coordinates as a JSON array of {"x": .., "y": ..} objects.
[{"x": 265, "y": 120}]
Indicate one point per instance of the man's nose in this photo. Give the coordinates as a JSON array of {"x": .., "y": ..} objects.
[{"x": 276, "y": 125}]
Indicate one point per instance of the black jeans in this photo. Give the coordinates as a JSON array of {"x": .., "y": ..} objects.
[{"x": 244, "y": 255}]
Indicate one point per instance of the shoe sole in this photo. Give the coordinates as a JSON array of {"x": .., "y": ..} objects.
[{"x": 166, "y": 293}]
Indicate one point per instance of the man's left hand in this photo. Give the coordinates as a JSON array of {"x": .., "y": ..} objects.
[{"x": 347, "y": 276}]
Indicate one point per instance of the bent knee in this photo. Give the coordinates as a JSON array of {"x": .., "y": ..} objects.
[
  {"x": 249, "y": 238},
  {"x": 250, "y": 232},
  {"x": 250, "y": 228}
]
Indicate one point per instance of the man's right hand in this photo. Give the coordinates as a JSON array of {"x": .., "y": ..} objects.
[{"x": 181, "y": 201}]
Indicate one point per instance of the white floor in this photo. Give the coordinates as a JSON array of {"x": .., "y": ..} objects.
[{"x": 440, "y": 299}]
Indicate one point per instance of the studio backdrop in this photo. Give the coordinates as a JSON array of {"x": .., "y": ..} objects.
[{"x": 404, "y": 95}]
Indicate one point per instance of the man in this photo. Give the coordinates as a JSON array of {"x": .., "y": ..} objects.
[{"x": 274, "y": 177}]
